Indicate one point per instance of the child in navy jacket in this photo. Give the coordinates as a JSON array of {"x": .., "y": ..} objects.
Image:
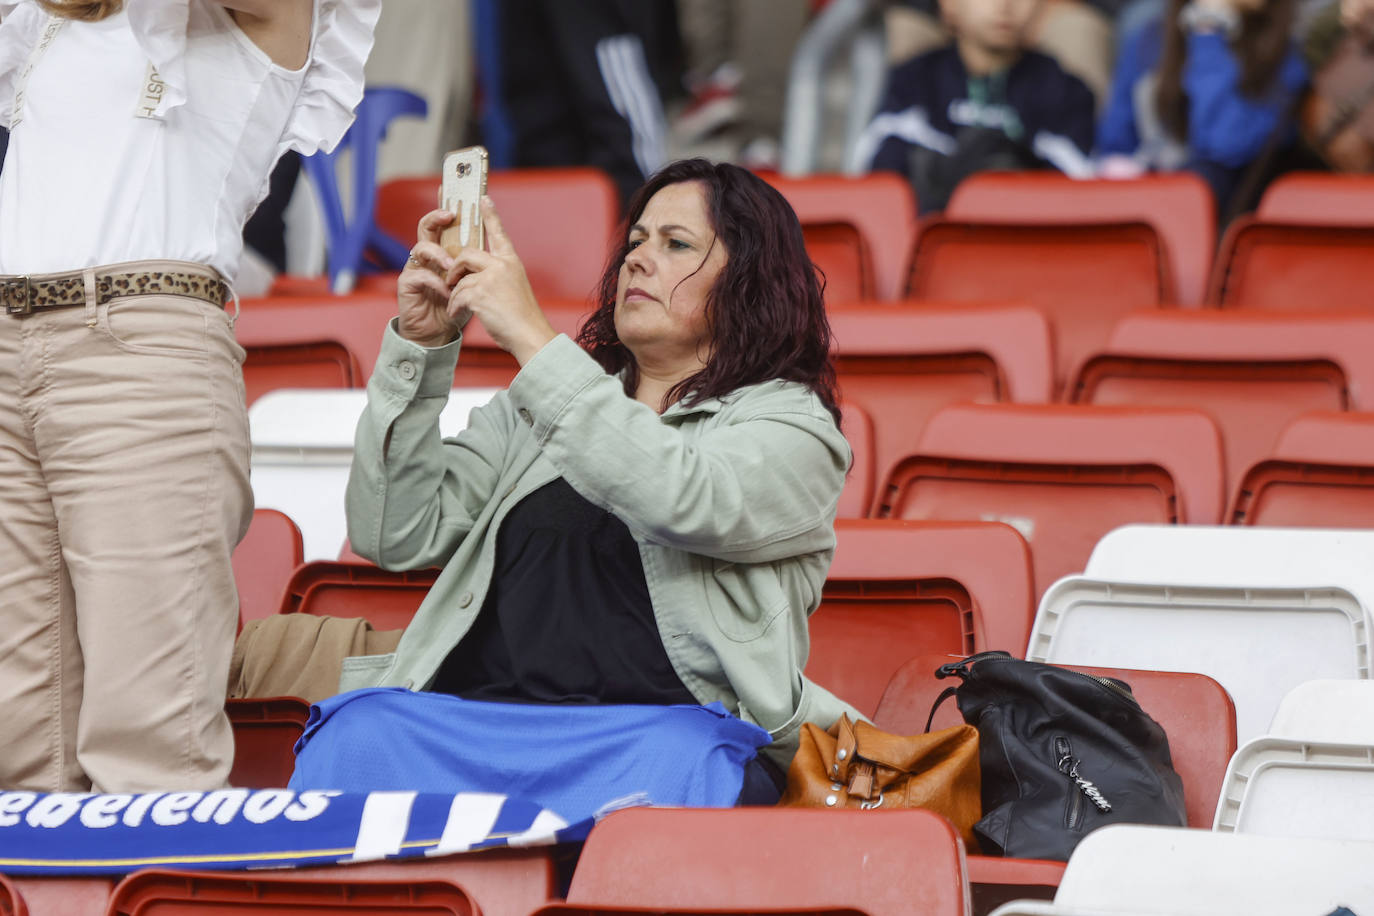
[{"x": 981, "y": 103}]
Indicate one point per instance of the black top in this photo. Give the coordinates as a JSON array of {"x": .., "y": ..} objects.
[{"x": 568, "y": 617}]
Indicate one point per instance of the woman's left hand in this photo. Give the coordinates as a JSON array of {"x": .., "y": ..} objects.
[{"x": 493, "y": 286}]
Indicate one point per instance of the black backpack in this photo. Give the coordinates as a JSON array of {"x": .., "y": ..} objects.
[{"x": 1062, "y": 753}]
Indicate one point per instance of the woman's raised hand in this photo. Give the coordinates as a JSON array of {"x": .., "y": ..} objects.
[
  {"x": 492, "y": 285},
  {"x": 422, "y": 292}
]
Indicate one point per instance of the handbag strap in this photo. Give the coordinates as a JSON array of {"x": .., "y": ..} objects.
[{"x": 944, "y": 695}]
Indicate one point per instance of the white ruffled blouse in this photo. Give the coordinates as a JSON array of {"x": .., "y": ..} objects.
[{"x": 181, "y": 183}]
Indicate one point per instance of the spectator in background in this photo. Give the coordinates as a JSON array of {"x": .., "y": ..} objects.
[
  {"x": 1206, "y": 89},
  {"x": 579, "y": 88},
  {"x": 739, "y": 55},
  {"x": 983, "y": 102},
  {"x": 1078, "y": 34},
  {"x": 1337, "y": 117}
]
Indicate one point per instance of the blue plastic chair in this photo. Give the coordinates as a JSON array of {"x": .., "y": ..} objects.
[{"x": 349, "y": 239}]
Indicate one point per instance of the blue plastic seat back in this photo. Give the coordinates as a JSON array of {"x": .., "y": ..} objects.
[{"x": 348, "y": 237}]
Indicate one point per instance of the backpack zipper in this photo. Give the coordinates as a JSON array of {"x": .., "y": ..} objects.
[
  {"x": 961, "y": 669},
  {"x": 1073, "y": 809},
  {"x": 1067, "y": 764}
]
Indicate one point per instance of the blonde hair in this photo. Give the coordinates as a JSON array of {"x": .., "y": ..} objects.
[{"x": 86, "y": 10}]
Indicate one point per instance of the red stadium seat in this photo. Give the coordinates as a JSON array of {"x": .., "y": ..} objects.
[
  {"x": 11, "y": 901},
  {"x": 332, "y": 323},
  {"x": 1294, "y": 267},
  {"x": 298, "y": 341},
  {"x": 63, "y": 896},
  {"x": 573, "y": 909},
  {"x": 158, "y": 892},
  {"x": 1305, "y": 247},
  {"x": 357, "y": 322},
  {"x": 327, "y": 364},
  {"x": 902, "y": 364},
  {"x": 388, "y": 600},
  {"x": 1179, "y": 206},
  {"x": 700, "y": 860},
  {"x": 1083, "y": 277},
  {"x": 1253, "y": 372},
  {"x": 857, "y": 496},
  {"x": 1195, "y": 711},
  {"x": 263, "y": 563},
  {"x": 880, "y": 211},
  {"x": 561, "y": 220},
  {"x": 500, "y": 882},
  {"x": 1061, "y": 475},
  {"x": 844, "y": 259},
  {"x": 898, "y": 589},
  {"x": 1319, "y": 475},
  {"x": 1319, "y": 199},
  {"x": 265, "y": 734}
]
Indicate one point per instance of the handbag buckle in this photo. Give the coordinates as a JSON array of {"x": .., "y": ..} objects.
[{"x": 871, "y": 805}]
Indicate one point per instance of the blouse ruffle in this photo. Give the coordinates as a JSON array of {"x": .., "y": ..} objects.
[
  {"x": 21, "y": 24},
  {"x": 333, "y": 85},
  {"x": 330, "y": 90}
]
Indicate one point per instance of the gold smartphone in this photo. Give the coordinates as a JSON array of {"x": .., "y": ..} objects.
[{"x": 464, "y": 181}]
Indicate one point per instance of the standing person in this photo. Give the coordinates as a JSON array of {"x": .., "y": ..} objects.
[
  {"x": 581, "y": 88},
  {"x": 143, "y": 133},
  {"x": 739, "y": 57}
]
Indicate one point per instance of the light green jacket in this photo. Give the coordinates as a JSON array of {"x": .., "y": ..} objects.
[{"x": 731, "y": 501}]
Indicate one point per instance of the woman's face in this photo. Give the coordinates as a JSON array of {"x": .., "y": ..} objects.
[{"x": 660, "y": 299}]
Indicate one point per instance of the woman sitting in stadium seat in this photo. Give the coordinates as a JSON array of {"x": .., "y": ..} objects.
[{"x": 645, "y": 517}]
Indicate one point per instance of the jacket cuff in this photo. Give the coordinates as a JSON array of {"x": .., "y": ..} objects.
[
  {"x": 407, "y": 370},
  {"x": 549, "y": 382}
]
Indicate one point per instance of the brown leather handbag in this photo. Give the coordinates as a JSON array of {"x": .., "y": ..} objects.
[{"x": 856, "y": 765}]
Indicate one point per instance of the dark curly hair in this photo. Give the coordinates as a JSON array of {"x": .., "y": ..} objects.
[{"x": 765, "y": 313}]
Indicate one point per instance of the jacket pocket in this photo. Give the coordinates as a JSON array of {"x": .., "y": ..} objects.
[
  {"x": 359, "y": 671},
  {"x": 744, "y": 599}
]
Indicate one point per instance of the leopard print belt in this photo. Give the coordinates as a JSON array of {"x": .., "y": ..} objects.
[{"x": 23, "y": 295}]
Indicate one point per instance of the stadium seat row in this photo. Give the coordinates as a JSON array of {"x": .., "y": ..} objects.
[{"x": 1085, "y": 252}]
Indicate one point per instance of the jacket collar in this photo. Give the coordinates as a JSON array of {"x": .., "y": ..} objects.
[{"x": 681, "y": 409}]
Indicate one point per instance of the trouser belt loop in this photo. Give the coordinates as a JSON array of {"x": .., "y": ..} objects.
[
  {"x": 233, "y": 297},
  {"x": 92, "y": 299}
]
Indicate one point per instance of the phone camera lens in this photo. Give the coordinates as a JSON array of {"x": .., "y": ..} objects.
[{"x": 463, "y": 170}]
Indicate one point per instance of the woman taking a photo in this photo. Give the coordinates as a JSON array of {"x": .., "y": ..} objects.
[
  {"x": 143, "y": 133},
  {"x": 645, "y": 517}
]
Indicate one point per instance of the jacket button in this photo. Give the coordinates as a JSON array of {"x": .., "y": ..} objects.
[
  {"x": 525, "y": 415},
  {"x": 407, "y": 370},
  {"x": 835, "y": 787},
  {"x": 831, "y": 801},
  {"x": 841, "y": 754},
  {"x": 465, "y": 600}
]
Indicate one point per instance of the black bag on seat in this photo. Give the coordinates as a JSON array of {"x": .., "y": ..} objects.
[{"x": 1062, "y": 753}]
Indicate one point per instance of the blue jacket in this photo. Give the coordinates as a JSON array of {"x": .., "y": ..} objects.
[
  {"x": 1224, "y": 126},
  {"x": 931, "y": 97}
]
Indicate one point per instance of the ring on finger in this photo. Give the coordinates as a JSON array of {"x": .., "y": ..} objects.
[{"x": 413, "y": 259}]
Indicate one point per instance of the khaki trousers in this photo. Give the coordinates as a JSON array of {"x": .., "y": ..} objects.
[{"x": 123, "y": 490}]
